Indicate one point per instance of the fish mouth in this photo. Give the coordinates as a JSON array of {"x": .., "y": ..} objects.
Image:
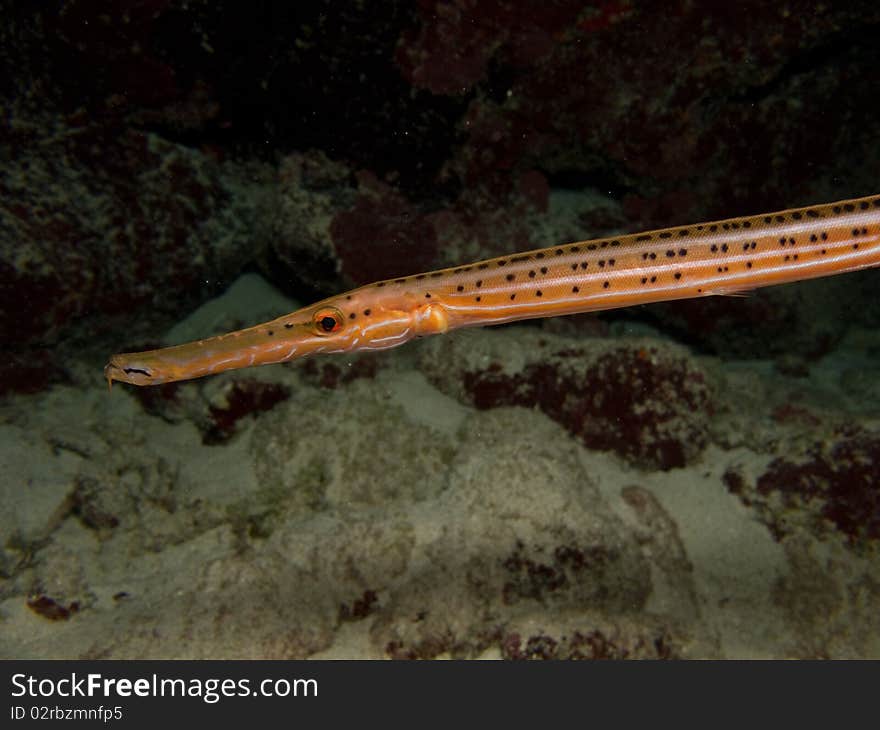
[{"x": 132, "y": 374}]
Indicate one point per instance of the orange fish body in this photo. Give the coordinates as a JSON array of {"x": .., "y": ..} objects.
[{"x": 722, "y": 257}]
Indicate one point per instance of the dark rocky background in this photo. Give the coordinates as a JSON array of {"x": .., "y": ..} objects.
[{"x": 152, "y": 150}]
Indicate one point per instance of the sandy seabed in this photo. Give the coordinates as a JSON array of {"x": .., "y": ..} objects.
[{"x": 374, "y": 511}]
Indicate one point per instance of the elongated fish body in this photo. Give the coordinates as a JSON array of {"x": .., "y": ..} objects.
[{"x": 722, "y": 257}]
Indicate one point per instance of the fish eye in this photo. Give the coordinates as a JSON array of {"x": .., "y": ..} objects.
[{"x": 328, "y": 321}]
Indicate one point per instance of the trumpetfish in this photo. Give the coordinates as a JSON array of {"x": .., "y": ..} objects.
[{"x": 717, "y": 258}]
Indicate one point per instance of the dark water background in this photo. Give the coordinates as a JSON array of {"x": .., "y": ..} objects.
[{"x": 153, "y": 152}]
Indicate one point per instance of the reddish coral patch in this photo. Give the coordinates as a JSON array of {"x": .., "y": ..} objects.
[
  {"x": 586, "y": 645},
  {"x": 360, "y": 607},
  {"x": 839, "y": 483},
  {"x": 244, "y": 398},
  {"x": 529, "y": 578},
  {"x": 646, "y": 406},
  {"x": 382, "y": 235},
  {"x": 331, "y": 376},
  {"x": 425, "y": 649},
  {"x": 156, "y": 399},
  {"x": 51, "y": 609}
]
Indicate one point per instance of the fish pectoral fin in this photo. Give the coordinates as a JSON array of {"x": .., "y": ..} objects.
[{"x": 431, "y": 319}]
